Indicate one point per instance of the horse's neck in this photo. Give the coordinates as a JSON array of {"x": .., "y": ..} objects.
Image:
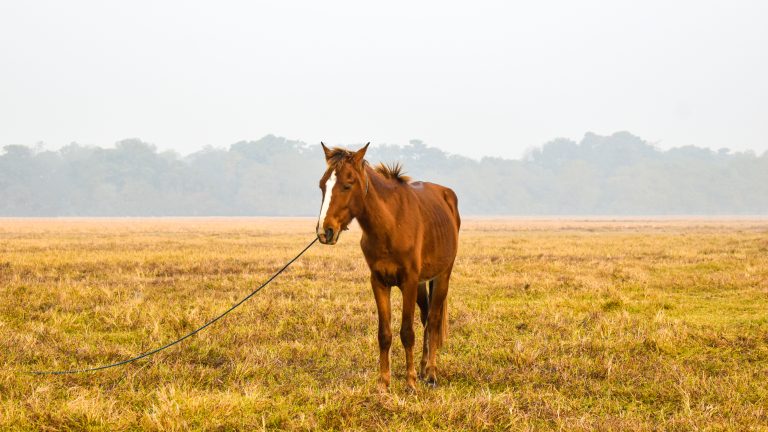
[{"x": 377, "y": 218}]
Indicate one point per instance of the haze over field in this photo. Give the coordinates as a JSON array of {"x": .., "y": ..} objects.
[{"x": 618, "y": 174}]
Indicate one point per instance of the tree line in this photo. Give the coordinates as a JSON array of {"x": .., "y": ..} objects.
[{"x": 620, "y": 174}]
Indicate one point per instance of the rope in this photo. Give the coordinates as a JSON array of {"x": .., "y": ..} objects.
[{"x": 192, "y": 333}]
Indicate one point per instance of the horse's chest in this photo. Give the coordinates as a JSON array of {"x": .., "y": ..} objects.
[
  {"x": 387, "y": 271},
  {"x": 387, "y": 263}
]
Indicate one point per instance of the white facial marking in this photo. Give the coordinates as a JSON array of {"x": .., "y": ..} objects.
[{"x": 326, "y": 201}]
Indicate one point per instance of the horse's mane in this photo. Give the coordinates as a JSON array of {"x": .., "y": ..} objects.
[{"x": 392, "y": 171}]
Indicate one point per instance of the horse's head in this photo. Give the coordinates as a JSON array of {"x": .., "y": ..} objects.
[{"x": 344, "y": 186}]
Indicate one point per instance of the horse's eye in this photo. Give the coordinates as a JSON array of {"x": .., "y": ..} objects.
[{"x": 347, "y": 186}]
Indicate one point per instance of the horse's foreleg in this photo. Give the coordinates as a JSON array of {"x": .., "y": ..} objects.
[
  {"x": 407, "y": 335},
  {"x": 381, "y": 293}
]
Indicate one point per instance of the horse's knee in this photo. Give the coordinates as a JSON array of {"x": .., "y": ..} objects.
[
  {"x": 407, "y": 335},
  {"x": 385, "y": 338}
]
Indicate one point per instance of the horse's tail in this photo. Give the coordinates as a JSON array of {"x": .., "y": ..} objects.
[
  {"x": 442, "y": 315},
  {"x": 443, "y": 323}
]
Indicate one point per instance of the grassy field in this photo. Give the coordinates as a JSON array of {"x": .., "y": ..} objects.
[{"x": 555, "y": 324}]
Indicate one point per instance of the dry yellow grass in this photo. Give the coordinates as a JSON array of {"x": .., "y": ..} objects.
[{"x": 578, "y": 325}]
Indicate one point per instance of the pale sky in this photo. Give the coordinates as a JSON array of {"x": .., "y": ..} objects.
[{"x": 473, "y": 78}]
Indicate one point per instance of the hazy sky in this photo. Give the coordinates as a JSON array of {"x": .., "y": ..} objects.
[{"x": 474, "y": 78}]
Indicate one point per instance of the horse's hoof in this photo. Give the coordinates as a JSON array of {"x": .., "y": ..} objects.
[
  {"x": 410, "y": 388},
  {"x": 383, "y": 388},
  {"x": 410, "y": 382},
  {"x": 431, "y": 376},
  {"x": 432, "y": 381}
]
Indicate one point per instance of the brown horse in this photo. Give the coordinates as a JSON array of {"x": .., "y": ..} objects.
[{"x": 410, "y": 238}]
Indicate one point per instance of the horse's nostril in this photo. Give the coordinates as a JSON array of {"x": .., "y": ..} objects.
[{"x": 329, "y": 235}]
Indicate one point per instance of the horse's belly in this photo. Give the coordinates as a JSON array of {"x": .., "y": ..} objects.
[{"x": 438, "y": 254}]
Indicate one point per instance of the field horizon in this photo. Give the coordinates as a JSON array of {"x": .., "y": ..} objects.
[{"x": 583, "y": 323}]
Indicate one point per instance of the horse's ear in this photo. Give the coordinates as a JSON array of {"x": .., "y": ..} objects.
[
  {"x": 327, "y": 151},
  {"x": 360, "y": 155}
]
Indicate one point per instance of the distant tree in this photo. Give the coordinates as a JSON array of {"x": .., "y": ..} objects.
[{"x": 615, "y": 174}]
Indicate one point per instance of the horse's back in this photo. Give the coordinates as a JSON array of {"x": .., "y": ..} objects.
[{"x": 438, "y": 198}]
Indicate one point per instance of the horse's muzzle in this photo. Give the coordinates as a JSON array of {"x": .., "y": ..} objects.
[{"x": 328, "y": 236}]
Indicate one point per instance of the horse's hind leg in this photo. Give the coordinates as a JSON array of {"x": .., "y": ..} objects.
[
  {"x": 437, "y": 324},
  {"x": 423, "y": 302},
  {"x": 410, "y": 290}
]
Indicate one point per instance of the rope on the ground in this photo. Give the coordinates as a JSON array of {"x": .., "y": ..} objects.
[{"x": 192, "y": 333}]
